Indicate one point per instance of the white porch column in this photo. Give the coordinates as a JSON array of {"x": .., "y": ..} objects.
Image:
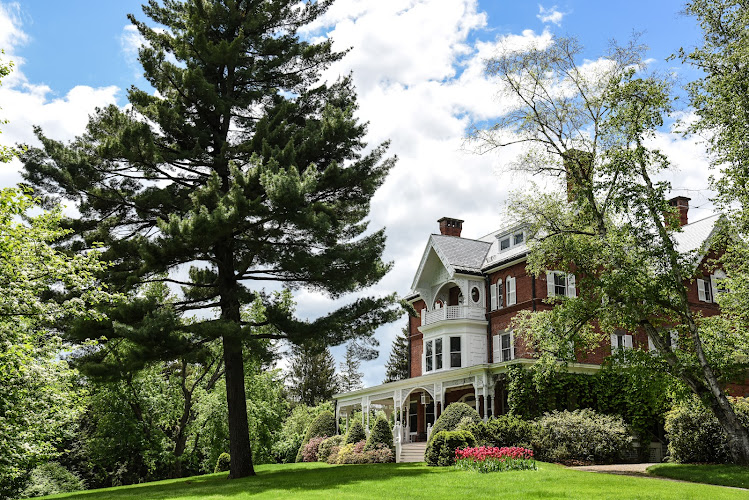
[{"x": 486, "y": 403}]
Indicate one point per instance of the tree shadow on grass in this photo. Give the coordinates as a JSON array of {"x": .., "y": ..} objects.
[{"x": 283, "y": 481}]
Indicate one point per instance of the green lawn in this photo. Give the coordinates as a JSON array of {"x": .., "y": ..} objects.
[
  {"x": 412, "y": 481},
  {"x": 727, "y": 475}
]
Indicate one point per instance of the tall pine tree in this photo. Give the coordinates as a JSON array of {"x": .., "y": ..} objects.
[
  {"x": 397, "y": 365},
  {"x": 241, "y": 169},
  {"x": 350, "y": 376},
  {"x": 312, "y": 375}
]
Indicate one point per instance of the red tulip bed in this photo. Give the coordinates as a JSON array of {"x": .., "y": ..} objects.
[{"x": 493, "y": 459}]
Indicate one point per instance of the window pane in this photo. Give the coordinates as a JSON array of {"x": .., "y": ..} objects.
[
  {"x": 429, "y": 349},
  {"x": 454, "y": 344},
  {"x": 505, "y": 341},
  {"x": 438, "y": 353},
  {"x": 560, "y": 284},
  {"x": 518, "y": 238},
  {"x": 455, "y": 360},
  {"x": 504, "y": 244},
  {"x": 428, "y": 358}
]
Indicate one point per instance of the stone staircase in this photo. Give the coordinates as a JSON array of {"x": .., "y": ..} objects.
[{"x": 412, "y": 452}]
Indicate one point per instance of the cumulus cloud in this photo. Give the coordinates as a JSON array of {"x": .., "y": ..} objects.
[
  {"x": 550, "y": 15},
  {"x": 26, "y": 104}
]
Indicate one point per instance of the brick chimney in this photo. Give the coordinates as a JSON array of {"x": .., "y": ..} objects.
[
  {"x": 450, "y": 227},
  {"x": 577, "y": 163},
  {"x": 682, "y": 203}
]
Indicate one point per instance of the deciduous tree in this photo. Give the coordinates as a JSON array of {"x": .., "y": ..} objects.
[{"x": 611, "y": 225}]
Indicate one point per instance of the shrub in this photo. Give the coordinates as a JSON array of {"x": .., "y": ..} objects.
[
  {"x": 333, "y": 457},
  {"x": 322, "y": 425},
  {"x": 285, "y": 451},
  {"x": 354, "y": 453},
  {"x": 326, "y": 447},
  {"x": 355, "y": 433},
  {"x": 581, "y": 435},
  {"x": 502, "y": 431},
  {"x": 223, "y": 463},
  {"x": 52, "y": 478},
  {"x": 310, "y": 451},
  {"x": 695, "y": 435},
  {"x": 441, "y": 449},
  {"x": 493, "y": 459},
  {"x": 380, "y": 434},
  {"x": 453, "y": 415}
]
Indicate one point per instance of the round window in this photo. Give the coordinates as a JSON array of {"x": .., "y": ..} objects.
[{"x": 475, "y": 294}]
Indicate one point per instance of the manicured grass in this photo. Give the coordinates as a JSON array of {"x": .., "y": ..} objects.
[
  {"x": 412, "y": 481},
  {"x": 726, "y": 475}
]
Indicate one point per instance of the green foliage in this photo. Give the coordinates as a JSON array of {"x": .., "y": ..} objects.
[
  {"x": 381, "y": 433},
  {"x": 40, "y": 398},
  {"x": 441, "y": 448},
  {"x": 355, "y": 453},
  {"x": 51, "y": 478},
  {"x": 326, "y": 447},
  {"x": 638, "y": 391},
  {"x": 350, "y": 376},
  {"x": 288, "y": 441},
  {"x": 222, "y": 463},
  {"x": 355, "y": 432},
  {"x": 694, "y": 434},
  {"x": 322, "y": 426},
  {"x": 240, "y": 162},
  {"x": 452, "y": 416},
  {"x": 396, "y": 367},
  {"x": 504, "y": 430},
  {"x": 581, "y": 435}
]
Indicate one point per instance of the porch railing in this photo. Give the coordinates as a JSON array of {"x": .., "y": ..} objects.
[{"x": 452, "y": 312}]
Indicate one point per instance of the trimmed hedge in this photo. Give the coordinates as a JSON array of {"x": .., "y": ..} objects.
[
  {"x": 380, "y": 434},
  {"x": 504, "y": 430},
  {"x": 354, "y": 453},
  {"x": 695, "y": 435},
  {"x": 355, "y": 433},
  {"x": 441, "y": 449},
  {"x": 453, "y": 415},
  {"x": 322, "y": 426},
  {"x": 581, "y": 436}
]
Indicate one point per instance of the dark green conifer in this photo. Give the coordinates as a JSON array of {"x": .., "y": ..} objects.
[
  {"x": 397, "y": 365},
  {"x": 312, "y": 375},
  {"x": 241, "y": 170}
]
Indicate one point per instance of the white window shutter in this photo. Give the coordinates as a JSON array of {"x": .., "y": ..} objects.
[
  {"x": 714, "y": 288},
  {"x": 511, "y": 299},
  {"x": 628, "y": 341},
  {"x": 493, "y": 291},
  {"x": 651, "y": 346},
  {"x": 613, "y": 343},
  {"x": 701, "y": 289},
  {"x": 674, "y": 340},
  {"x": 550, "y": 284},
  {"x": 571, "y": 291},
  {"x": 496, "y": 347}
]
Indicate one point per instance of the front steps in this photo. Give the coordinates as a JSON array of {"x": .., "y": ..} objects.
[{"x": 412, "y": 452}]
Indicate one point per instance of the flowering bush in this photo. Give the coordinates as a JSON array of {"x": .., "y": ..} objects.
[
  {"x": 355, "y": 454},
  {"x": 309, "y": 451},
  {"x": 493, "y": 459},
  {"x": 326, "y": 447}
]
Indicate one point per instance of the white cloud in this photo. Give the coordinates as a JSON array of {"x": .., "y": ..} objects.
[
  {"x": 130, "y": 42},
  {"x": 25, "y": 104},
  {"x": 550, "y": 15}
]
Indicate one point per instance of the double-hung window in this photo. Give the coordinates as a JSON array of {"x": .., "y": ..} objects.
[
  {"x": 429, "y": 357},
  {"x": 559, "y": 284},
  {"x": 455, "y": 355},
  {"x": 506, "y": 347},
  {"x": 620, "y": 340}
]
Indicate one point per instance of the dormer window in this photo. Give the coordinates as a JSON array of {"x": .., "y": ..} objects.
[{"x": 510, "y": 240}]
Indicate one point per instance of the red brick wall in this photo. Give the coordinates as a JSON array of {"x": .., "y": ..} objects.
[{"x": 417, "y": 342}]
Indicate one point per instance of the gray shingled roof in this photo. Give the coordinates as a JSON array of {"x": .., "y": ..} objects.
[{"x": 462, "y": 253}]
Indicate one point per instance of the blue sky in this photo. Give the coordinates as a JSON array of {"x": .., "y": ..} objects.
[{"x": 417, "y": 65}]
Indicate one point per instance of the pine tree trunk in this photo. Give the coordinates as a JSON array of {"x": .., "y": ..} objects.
[{"x": 239, "y": 437}]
